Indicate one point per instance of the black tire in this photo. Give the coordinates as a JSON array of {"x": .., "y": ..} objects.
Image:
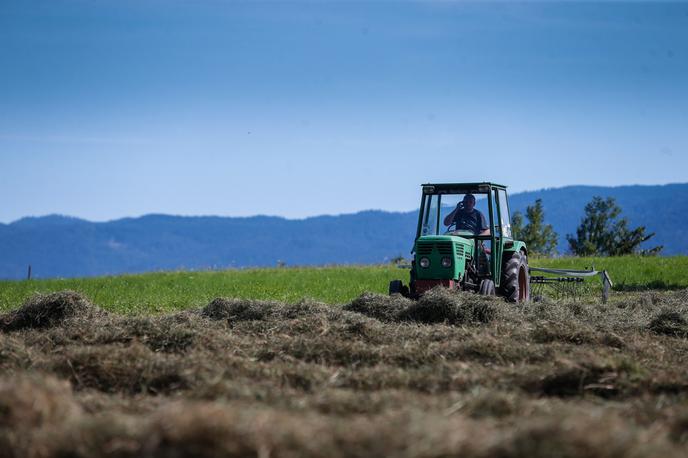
[
  {"x": 487, "y": 288},
  {"x": 516, "y": 279},
  {"x": 396, "y": 287}
]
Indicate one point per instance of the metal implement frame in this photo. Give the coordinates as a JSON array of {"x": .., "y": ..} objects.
[{"x": 573, "y": 276}]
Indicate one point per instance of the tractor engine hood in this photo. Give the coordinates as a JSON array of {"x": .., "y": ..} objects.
[{"x": 442, "y": 256}]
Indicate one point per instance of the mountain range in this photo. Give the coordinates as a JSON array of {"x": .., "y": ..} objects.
[{"x": 61, "y": 246}]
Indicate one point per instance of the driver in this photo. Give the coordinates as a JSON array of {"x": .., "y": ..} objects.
[{"x": 467, "y": 218}]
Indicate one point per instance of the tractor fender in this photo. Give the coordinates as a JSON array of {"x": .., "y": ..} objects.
[{"x": 517, "y": 245}]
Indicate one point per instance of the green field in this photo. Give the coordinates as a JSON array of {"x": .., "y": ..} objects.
[{"x": 170, "y": 291}]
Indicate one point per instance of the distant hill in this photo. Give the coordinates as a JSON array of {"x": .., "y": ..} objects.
[{"x": 59, "y": 246}]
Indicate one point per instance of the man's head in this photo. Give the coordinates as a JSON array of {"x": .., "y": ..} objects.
[{"x": 469, "y": 202}]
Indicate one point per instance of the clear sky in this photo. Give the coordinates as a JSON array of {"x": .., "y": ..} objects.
[{"x": 121, "y": 108}]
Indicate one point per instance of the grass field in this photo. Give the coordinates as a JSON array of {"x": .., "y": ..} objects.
[
  {"x": 172, "y": 291},
  {"x": 238, "y": 364}
]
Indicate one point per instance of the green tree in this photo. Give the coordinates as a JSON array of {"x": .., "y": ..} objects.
[
  {"x": 603, "y": 233},
  {"x": 540, "y": 238},
  {"x": 517, "y": 225}
]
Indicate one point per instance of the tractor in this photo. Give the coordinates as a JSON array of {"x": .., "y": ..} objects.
[{"x": 464, "y": 241}]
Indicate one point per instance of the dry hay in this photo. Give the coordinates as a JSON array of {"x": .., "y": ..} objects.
[
  {"x": 113, "y": 368},
  {"x": 573, "y": 332},
  {"x": 14, "y": 354},
  {"x": 29, "y": 404},
  {"x": 597, "y": 434},
  {"x": 570, "y": 378},
  {"x": 452, "y": 374},
  {"x": 204, "y": 429},
  {"x": 47, "y": 310},
  {"x": 378, "y": 306},
  {"x": 679, "y": 427},
  {"x": 439, "y": 305},
  {"x": 30, "y": 401},
  {"x": 670, "y": 322},
  {"x": 237, "y": 310}
]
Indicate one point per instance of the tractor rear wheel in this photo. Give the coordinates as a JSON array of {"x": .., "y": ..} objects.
[
  {"x": 516, "y": 279},
  {"x": 487, "y": 288}
]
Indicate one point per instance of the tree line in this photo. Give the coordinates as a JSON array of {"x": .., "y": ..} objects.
[{"x": 602, "y": 231}]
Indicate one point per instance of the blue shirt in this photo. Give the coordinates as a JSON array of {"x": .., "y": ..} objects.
[{"x": 473, "y": 221}]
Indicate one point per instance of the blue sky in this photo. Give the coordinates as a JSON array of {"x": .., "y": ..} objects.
[{"x": 121, "y": 108}]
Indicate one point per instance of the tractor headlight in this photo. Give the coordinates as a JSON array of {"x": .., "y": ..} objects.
[
  {"x": 424, "y": 263},
  {"x": 446, "y": 261}
]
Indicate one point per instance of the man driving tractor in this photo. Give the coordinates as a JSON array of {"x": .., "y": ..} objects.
[{"x": 466, "y": 218}]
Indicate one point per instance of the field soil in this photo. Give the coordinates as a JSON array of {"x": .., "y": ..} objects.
[{"x": 453, "y": 374}]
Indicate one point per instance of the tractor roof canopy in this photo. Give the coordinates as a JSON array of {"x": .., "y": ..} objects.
[{"x": 459, "y": 188}]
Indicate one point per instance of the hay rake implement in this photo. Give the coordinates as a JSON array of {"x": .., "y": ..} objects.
[{"x": 567, "y": 284}]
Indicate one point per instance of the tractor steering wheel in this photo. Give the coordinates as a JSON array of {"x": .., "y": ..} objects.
[{"x": 452, "y": 230}]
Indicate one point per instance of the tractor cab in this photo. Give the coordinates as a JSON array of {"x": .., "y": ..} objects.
[
  {"x": 464, "y": 241},
  {"x": 462, "y": 214}
]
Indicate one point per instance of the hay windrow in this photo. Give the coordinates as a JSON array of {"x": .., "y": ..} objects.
[
  {"x": 14, "y": 354},
  {"x": 48, "y": 310},
  {"x": 237, "y": 310},
  {"x": 31, "y": 401},
  {"x": 606, "y": 436},
  {"x": 127, "y": 369},
  {"x": 383, "y": 308},
  {"x": 161, "y": 335},
  {"x": 670, "y": 322},
  {"x": 204, "y": 429},
  {"x": 439, "y": 305}
]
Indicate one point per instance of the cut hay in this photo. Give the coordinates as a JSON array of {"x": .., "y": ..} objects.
[
  {"x": 31, "y": 407},
  {"x": 48, "y": 310},
  {"x": 381, "y": 307},
  {"x": 441, "y": 305},
  {"x": 237, "y": 309},
  {"x": 14, "y": 354},
  {"x": 454, "y": 374},
  {"x": 581, "y": 435},
  {"x": 606, "y": 379},
  {"x": 32, "y": 400},
  {"x": 116, "y": 369},
  {"x": 670, "y": 322},
  {"x": 202, "y": 430},
  {"x": 168, "y": 334}
]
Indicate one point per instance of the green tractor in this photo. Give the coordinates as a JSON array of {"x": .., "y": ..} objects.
[{"x": 464, "y": 241}]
